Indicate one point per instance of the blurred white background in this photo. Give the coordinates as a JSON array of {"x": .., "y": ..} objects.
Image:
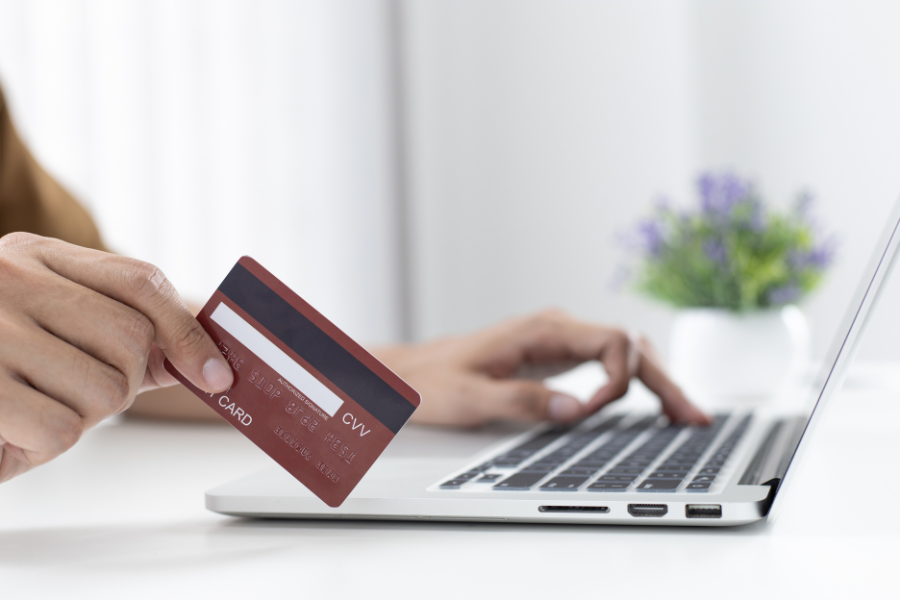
[
  {"x": 422, "y": 167},
  {"x": 199, "y": 131}
]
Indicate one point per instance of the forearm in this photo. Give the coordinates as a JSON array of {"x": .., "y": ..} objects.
[{"x": 31, "y": 200}]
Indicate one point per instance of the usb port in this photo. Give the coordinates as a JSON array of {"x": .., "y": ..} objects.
[
  {"x": 703, "y": 511},
  {"x": 647, "y": 510}
]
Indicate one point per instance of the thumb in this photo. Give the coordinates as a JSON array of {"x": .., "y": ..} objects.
[{"x": 533, "y": 401}]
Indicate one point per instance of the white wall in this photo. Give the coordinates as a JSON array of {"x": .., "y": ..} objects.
[
  {"x": 198, "y": 131},
  {"x": 541, "y": 128}
]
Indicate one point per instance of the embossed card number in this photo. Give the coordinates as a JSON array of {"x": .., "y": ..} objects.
[{"x": 304, "y": 392}]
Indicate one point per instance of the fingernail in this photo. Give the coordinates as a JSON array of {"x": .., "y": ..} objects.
[
  {"x": 563, "y": 408},
  {"x": 217, "y": 374}
]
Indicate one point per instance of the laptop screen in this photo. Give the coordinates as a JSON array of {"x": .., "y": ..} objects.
[{"x": 846, "y": 338}]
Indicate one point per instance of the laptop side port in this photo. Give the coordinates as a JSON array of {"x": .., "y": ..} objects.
[
  {"x": 703, "y": 511},
  {"x": 574, "y": 509},
  {"x": 647, "y": 510}
]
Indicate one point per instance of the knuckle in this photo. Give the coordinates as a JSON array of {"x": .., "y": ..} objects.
[
  {"x": 189, "y": 339},
  {"x": 525, "y": 402},
  {"x": 618, "y": 340},
  {"x": 19, "y": 241},
  {"x": 145, "y": 279},
  {"x": 13, "y": 247},
  {"x": 548, "y": 322},
  {"x": 619, "y": 335},
  {"x": 551, "y": 315},
  {"x": 68, "y": 430},
  {"x": 620, "y": 388},
  {"x": 116, "y": 392},
  {"x": 141, "y": 331}
]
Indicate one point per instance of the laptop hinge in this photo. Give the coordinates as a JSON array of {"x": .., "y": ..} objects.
[{"x": 771, "y": 460}]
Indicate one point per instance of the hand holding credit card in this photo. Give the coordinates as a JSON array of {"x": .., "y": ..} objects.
[{"x": 309, "y": 396}]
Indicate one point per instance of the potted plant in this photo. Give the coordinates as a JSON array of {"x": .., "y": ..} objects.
[{"x": 735, "y": 270}]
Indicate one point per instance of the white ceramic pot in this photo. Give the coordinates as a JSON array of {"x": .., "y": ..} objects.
[{"x": 718, "y": 354}]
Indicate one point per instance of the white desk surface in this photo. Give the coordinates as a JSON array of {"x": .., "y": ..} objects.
[{"x": 121, "y": 515}]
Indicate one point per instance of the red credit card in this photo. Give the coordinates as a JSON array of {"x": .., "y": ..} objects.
[{"x": 304, "y": 392}]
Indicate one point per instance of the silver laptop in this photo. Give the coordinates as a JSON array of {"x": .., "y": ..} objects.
[{"x": 615, "y": 467}]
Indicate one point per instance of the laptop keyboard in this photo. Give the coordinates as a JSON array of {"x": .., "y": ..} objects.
[{"x": 568, "y": 468}]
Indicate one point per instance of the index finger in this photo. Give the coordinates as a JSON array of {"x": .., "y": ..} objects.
[
  {"x": 553, "y": 337},
  {"x": 618, "y": 358},
  {"x": 675, "y": 404},
  {"x": 145, "y": 288}
]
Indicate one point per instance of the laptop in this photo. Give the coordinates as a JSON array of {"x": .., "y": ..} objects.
[{"x": 616, "y": 467}]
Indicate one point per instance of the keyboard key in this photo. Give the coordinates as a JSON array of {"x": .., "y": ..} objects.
[
  {"x": 687, "y": 458},
  {"x": 468, "y": 475},
  {"x": 522, "y": 452},
  {"x": 453, "y": 484},
  {"x": 607, "y": 486},
  {"x": 707, "y": 478},
  {"x": 488, "y": 478},
  {"x": 517, "y": 453},
  {"x": 538, "y": 469},
  {"x": 563, "y": 484},
  {"x": 635, "y": 463},
  {"x": 579, "y": 471},
  {"x": 543, "y": 465},
  {"x": 674, "y": 467},
  {"x": 699, "y": 486},
  {"x": 520, "y": 481},
  {"x": 625, "y": 471},
  {"x": 659, "y": 485},
  {"x": 618, "y": 478},
  {"x": 556, "y": 457},
  {"x": 667, "y": 475},
  {"x": 588, "y": 464},
  {"x": 709, "y": 471}
]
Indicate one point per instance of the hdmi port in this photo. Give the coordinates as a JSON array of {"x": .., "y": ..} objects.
[
  {"x": 576, "y": 509},
  {"x": 647, "y": 510}
]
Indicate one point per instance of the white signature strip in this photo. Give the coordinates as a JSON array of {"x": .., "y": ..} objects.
[{"x": 275, "y": 357}]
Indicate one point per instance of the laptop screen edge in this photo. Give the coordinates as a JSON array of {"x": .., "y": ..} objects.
[{"x": 846, "y": 344}]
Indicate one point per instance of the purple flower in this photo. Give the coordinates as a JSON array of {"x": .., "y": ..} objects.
[
  {"x": 651, "y": 236},
  {"x": 719, "y": 193},
  {"x": 715, "y": 251},
  {"x": 757, "y": 216},
  {"x": 647, "y": 238},
  {"x": 819, "y": 258},
  {"x": 784, "y": 295},
  {"x": 804, "y": 204}
]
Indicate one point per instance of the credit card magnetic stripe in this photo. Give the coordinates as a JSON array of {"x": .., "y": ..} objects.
[
  {"x": 323, "y": 353},
  {"x": 275, "y": 357}
]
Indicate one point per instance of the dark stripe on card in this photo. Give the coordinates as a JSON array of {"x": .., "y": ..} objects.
[{"x": 318, "y": 349}]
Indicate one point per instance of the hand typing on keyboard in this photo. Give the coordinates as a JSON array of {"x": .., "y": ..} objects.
[{"x": 477, "y": 378}]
